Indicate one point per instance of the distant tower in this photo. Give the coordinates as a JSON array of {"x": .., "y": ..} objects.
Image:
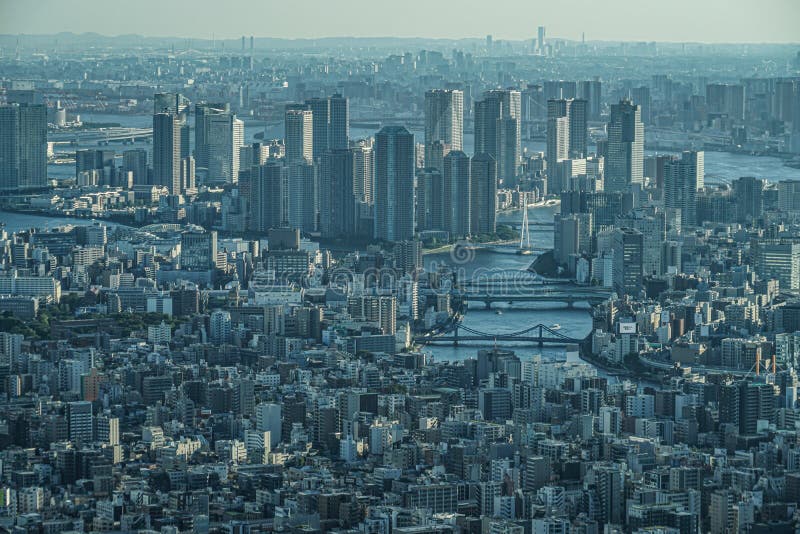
[
  {"x": 483, "y": 178},
  {"x": 266, "y": 197},
  {"x": 557, "y": 141},
  {"x": 541, "y": 35},
  {"x": 167, "y": 151},
  {"x": 331, "y": 123},
  {"x": 625, "y": 152},
  {"x": 363, "y": 171},
  {"x": 339, "y": 126},
  {"x": 299, "y": 133},
  {"x": 321, "y": 119},
  {"x": 23, "y": 146},
  {"x": 394, "y": 184},
  {"x": 682, "y": 179},
  {"x": 590, "y": 90},
  {"x": 444, "y": 120},
  {"x": 628, "y": 247},
  {"x": 457, "y": 193},
  {"x": 219, "y": 135},
  {"x": 566, "y": 136},
  {"x": 177, "y": 104},
  {"x": 498, "y": 130},
  {"x": 337, "y": 201}
]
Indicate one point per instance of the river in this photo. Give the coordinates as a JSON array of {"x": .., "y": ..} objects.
[
  {"x": 16, "y": 222},
  {"x": 575, "y": 323}
]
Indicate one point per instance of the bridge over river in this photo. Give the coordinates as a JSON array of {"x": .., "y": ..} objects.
[{"x": 537, "y": 335}]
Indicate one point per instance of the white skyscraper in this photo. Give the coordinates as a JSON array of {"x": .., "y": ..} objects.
[
  {"x": 363, "y": 171},
  {"x": 299, "y": 127},
  {"x": 219, "y": 135}
]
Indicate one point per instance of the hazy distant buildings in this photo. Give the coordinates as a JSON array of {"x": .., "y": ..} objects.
[
  {"x": 23, "y": 146},
  {"x": 725, "y": 99},
  {"x": 625, "y": 152},
  {"x": 560, "y": 89},
  {"x": 170, "y": 103},
  {"x": 394, "y": 184}
]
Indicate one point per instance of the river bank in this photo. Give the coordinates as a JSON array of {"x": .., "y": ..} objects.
[{"x": 16, "y": 220}]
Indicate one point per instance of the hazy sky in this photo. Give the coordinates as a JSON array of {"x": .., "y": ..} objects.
[{"x": 635, "y": 20}]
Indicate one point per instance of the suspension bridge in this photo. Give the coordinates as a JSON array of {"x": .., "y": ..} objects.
[{"x": 539, "y": 335}]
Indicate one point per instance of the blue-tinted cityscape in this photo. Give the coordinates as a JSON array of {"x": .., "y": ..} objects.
[{"x": 396, "y": 285}]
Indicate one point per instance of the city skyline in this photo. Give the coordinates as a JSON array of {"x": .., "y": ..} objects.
[
  {"x": 768, "y": 22},
  {"x": 399, "y": 286}
]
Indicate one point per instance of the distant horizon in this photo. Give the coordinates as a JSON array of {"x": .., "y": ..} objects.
[
  {"x": 677, "y": 21},
  {"x": 392, "y": 37}
]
